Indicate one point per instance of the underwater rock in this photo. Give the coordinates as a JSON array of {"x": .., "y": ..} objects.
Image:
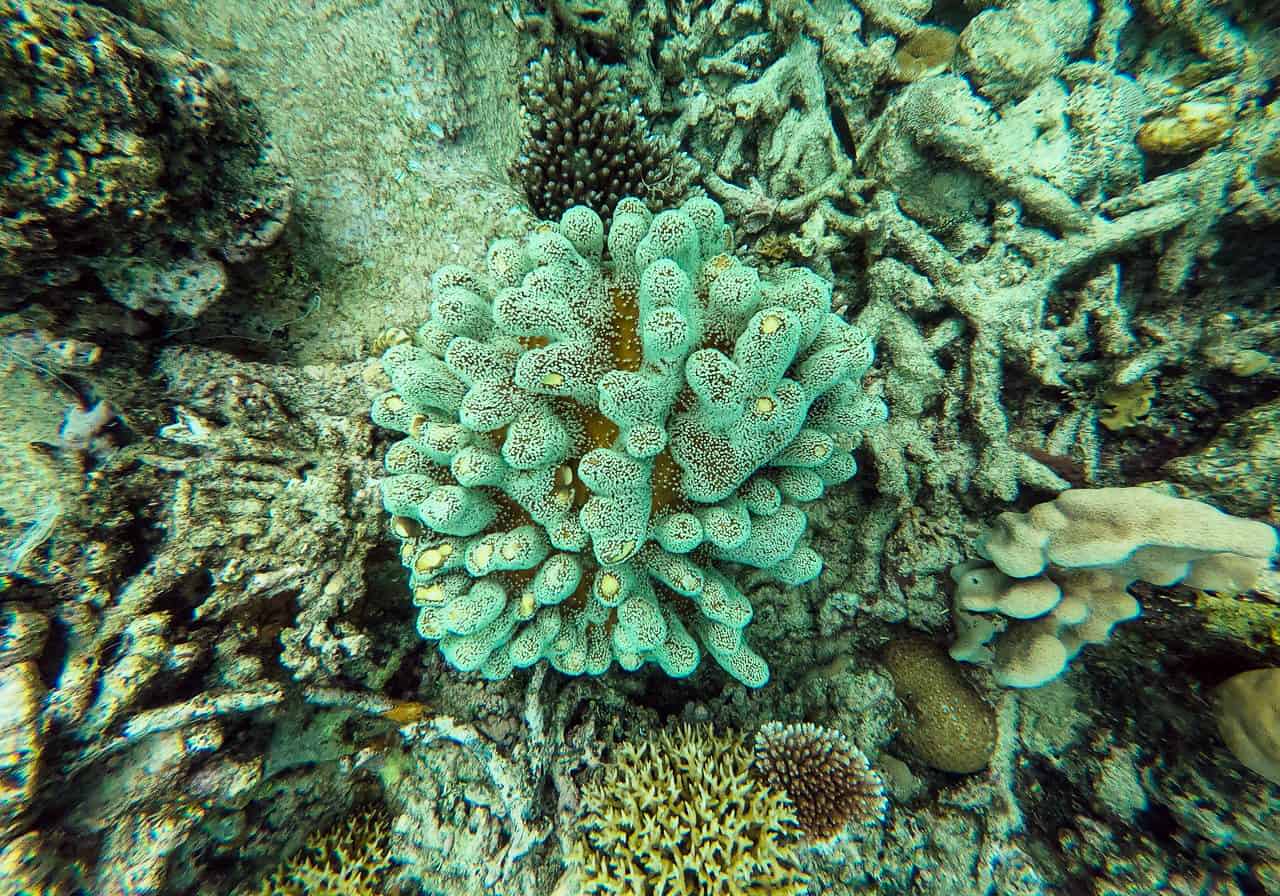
[
  {"x": 119, "y": 153},
  {"x": 1240, "y": 466},
  {"x": 1006, "y": 52}
]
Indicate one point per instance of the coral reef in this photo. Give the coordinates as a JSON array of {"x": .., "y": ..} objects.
[
  {"x": 586, "y": 144},
  {"x": 991, "y": 224},
  {"x": 826, "y": 779},
  {"x": 125, "y": 159},
  {"x": 1061, "y": 572},
  {"x": 677, "y": 811},
  {"x": 1032, "y": 208},
  {"x": 588, "y": 442}
]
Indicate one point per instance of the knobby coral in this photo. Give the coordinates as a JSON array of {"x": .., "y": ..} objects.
[
  {"x": 679, "y": 813},
  {"x": 1061, "y": 572},
  {"x": 589, "y": 441},
  {"x": 827, "y": 779}
]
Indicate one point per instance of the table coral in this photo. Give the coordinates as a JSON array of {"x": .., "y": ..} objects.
[{"x": 589, "y": 440}]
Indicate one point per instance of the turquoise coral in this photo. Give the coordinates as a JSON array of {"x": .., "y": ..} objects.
[{"x": 589, "y": 440}]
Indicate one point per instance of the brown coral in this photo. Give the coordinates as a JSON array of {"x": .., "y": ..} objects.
[
  {"x": 586, "y": 145},
  {"x": 679, "y": 813},
  {"x": 827, "y": 779}
]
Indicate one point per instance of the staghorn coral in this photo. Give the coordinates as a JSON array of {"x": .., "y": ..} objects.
[
  {"x": 678, "y": 813},
  {"x": 826, "y": 778},
  {"x": 352, "y": 858},
  {"x": 1061, "y": 572},
  {"x": 589, "y": 441},
  {"x": 585, "y": 144}
]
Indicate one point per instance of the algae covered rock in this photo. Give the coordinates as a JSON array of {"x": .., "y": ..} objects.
[
  {"x": 593, "y": 443},
  {"x": 124, "y": 159}
]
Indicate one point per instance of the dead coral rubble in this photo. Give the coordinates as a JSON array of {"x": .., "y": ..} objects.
[{"x": 206, "y": 579}]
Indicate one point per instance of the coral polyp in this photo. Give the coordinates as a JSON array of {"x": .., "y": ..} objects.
[{"x": 593, "y": 443}]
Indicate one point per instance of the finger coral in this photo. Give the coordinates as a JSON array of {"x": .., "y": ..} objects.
[
  {"x": 679, "y": 813},
  {"x": 591, "y": 445},
  {"x": 826, "y": 778},
  {"x": 585, "y": 144}
]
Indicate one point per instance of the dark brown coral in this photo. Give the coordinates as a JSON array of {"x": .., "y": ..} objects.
[
  {"x": 827, "y": 779},
  {"x": 586, "y": 145}
]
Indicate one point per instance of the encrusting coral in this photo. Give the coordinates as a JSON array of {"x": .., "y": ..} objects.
[
  {"x": 826, "y": 778},
  {"x": 679, "y": 813},
  {"x": 588, "y": 440},
  {"x": 1061, "y": 572}
]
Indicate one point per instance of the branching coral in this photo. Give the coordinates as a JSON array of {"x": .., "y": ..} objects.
[
  {"x": 586, "y": 144},
  {"x": 679, "y": 813},
  {"x": 826, "y": 778},
  {"x": 353, "y": 858},
  {"x": 589, "y": 441}
]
